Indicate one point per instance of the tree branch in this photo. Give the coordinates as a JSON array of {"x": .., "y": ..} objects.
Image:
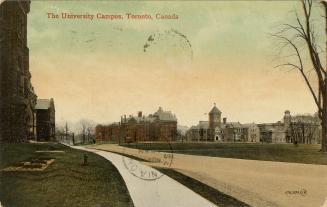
[{"x": 300, "y": 68}]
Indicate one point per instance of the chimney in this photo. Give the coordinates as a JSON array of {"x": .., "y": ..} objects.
[
  {"x": 224, "y": 120},
  {"x": 140, "y": 114}
]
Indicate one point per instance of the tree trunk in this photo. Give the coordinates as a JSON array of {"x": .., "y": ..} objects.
[
  {"x": 324, "y": 96},
  {"x": 324, "y": 119}
]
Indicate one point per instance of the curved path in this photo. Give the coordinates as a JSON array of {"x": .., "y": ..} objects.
[
  {"x": 161, "y": 192},
  {"x": 257, "y": 183}
]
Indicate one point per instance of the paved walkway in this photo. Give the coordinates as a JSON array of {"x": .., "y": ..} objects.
[
  {"x": 258, "y": 183},
  {"x": 161, "y": 192}
]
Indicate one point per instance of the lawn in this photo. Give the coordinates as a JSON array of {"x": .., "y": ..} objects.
[
  {"x": 308, "y": 154},
  {"x": 65, "y": 183}
]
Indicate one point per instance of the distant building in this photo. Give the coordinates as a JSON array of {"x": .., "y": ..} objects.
[
  {"x": 232, "y": 131},
  {"x": 45, "y": 120},
  {"x": 17, "y": 97},
  {"x": 207, "y": 130},
  {"x": 251, "y": 132},
  {"x": 304, "y": 128},
  {"x": 272, "y": 132},
  {"x": 200, "y": 132},
  {"x": 215, "y": 130},
  {"x": 160, "y": 126}
]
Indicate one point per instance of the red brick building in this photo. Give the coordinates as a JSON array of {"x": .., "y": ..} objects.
[{"x": 160, "y": 126}]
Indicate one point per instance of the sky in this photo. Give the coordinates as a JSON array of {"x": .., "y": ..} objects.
[{"x": 215, "y": 52}]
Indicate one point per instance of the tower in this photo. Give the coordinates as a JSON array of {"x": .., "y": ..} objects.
[
  {"x": 17, "y": 97},
  {"x": 214, "y": 122},
  {"x": 287, "y": 119},
  {"x": 287, "y": 125}
]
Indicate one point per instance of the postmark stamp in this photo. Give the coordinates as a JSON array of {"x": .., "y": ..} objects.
[{"x": 148, "y": 153}]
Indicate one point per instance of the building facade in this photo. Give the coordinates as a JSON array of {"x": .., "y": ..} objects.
[
  {"x": 272, "y": 132},
  {"x": 232, "y": 131},
  {"x": 251, "y": 132},
  {"x": 45, "y": 120},
  {"x": 199, "y": 133},
  {"x": 207, "y": 131},
  {"x": 17, "y": 97},
  {"x": 303, "y": 129},
  {"x": 158, "y": 127}
]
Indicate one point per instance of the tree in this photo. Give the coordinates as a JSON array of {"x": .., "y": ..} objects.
[
  {"x": 291, "y": 37},
  {"x": 63, "y": 131},
  {"x": 86, "y": 127}
]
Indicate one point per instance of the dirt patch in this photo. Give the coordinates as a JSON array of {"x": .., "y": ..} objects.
[{"x": 31, "y": 165}]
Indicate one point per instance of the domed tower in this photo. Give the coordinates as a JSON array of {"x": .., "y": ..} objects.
[{"x": 214, "y": 117}]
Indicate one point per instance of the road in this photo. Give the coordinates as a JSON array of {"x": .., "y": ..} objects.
[
  {"x": 258, "y": 183},
  {"x": 151, "y": 188}
]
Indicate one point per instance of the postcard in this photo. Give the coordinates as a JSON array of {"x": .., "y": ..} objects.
[{"x": 163, "y": 103}]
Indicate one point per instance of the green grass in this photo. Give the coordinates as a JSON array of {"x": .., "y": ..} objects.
[
  {"x": 211, "y": 194},
  {"x": 308, "y": 154},
  {"x": 65, "y": 183}
]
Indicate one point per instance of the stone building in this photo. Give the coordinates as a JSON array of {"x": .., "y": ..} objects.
[
  {"x": 45, "y": 120},
  {"x": 160, "y": 126},
  {"x": 207, "y": 130},
  {"x": 17, "y": 97},
  {"x": 232, "y": 131},
  {"x": 251, "y": 132},
  {"x": 215, "y": 130},
  {"x": 272, "y": 132},
  {"x": 302, "y": 129},
  {"x": 200, "y": 132}
]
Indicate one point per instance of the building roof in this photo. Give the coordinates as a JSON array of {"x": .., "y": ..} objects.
[
  {"x": 43, "y": 104},
  {"x": 305, "y": 118},
  {"x": 215, "y": 110},
  {"x": 201, "y": 125},
  {"x": 248, "y": 125},
  {"x": 233, "y": 124},
  {"x": 160, "y": 115},
  {"x": 165, "y": 115}
]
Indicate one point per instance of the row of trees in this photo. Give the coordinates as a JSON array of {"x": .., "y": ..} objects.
[{"x": 82, "y": 131}]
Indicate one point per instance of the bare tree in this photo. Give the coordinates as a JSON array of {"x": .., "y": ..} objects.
[
  {"x": 86, "y": 127},
  {"x": 63, "y": 132},
  {"x": 304, "y": 32}
]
